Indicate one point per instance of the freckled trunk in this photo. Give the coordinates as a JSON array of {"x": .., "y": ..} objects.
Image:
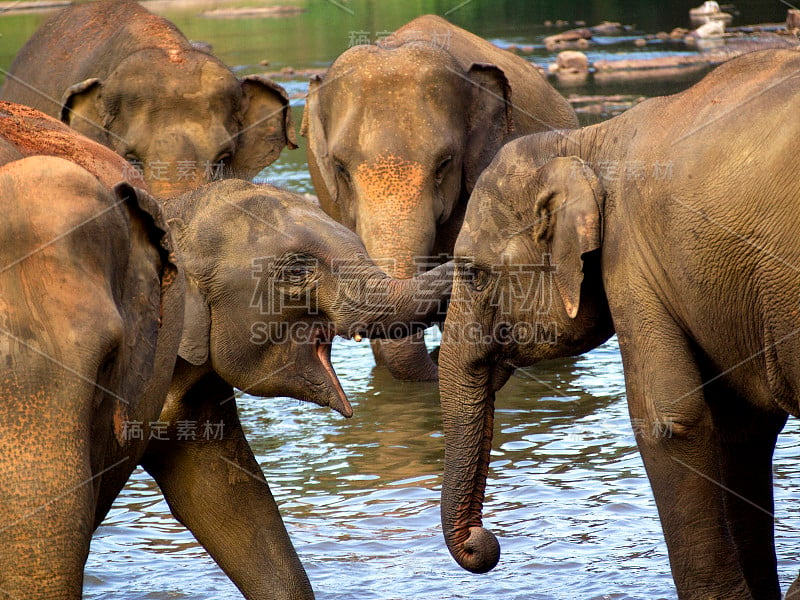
[
  {"x": 175, "y": 166},
  {"x": 406, "y": 359},
  {"x": 467, "y": 400},
  {"x": 398, "y": 228},
  {"x": 170, "y": 183}
]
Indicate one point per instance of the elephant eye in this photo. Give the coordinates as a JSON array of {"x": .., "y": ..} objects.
[
  {"x": 298, "y": 271},
  {"x": 224, "y": 158},
  {"x": 296, "y": 274},
  {"x": 477, "y": 278},
  {"x": 135, "y": 162},
  {"x": 341, "y": 171},
  {"x": 440, "y": 170}
]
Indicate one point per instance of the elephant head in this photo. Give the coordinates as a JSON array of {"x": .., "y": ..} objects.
[
  {"x": 527, "y": 287},
  {"x": 182, "y": 118},
  {"x": 397, "y": 138},
  {"x": 264, "y": 321}
]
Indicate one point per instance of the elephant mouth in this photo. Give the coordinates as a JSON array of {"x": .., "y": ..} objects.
[{"x": 337, "y": 399}]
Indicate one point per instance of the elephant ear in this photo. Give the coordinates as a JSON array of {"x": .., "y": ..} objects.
[
  {"x": 568, "y": 206},
  {"x": 490, "y": 119},
  {"x": 145, "y": 302},
  {"x": 320, "y": 164},
  {"x": 82, "y": 109},
  {"x": 266, "y": 126},
  {"x": 196, "y": 335}
]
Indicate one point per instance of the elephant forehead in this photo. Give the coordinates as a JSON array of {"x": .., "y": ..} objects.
[
  {"x": 391, "y": 178},
  {"x": 407, "y": 77},
  {"x": 418, "y": 60},
  {"x": 153, "y": 74},
  {"x": 489, "y": 220}
]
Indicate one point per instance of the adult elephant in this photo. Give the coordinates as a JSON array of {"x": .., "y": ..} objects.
[
  {"x": 85, "y": 347},
  {"x": 399, "y": 132},
  {"x": 675, "y": 225},
  {"x": 131, "y": 81},
  {"x": 266, "y": 279},
  {"x": 25, "y": 131}
]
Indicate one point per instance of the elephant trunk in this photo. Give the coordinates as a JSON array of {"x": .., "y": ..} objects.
[
  {"x": 467, "y": 399},
  {"x": 170, "y": 185},
  {"x": 175, "y": 162},
  {"x": 397, "y": 222},
  {"x": 406, "y": 359},
  {"x": 384, "y": 307}
]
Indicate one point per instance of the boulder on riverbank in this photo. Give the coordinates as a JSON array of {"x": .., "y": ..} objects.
[{"x": 709, "y": 12}]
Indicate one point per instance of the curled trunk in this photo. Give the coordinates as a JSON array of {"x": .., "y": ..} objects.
[
  {"x": 467, "y": 399},
  {"x": 406, "y": 359}
]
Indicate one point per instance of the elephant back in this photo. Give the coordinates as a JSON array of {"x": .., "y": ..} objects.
[
  {"x": 30, "y": 132},
  {"x": 537, "y": 106}
]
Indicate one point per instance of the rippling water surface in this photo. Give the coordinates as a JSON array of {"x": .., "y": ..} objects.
[{"x": 567, "y": 494}]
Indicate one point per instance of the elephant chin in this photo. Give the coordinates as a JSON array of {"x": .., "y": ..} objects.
[
  {"x": 308, "y": 374},
  {"x": 334, "y": 395}
]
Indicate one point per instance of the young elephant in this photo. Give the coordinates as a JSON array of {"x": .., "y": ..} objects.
[
  {"x": 270, "y": 280},
  {"x": 131, "y": 81},
  {"x": 85, "y": 346},
  {"x": 267, "y": 280},
  {"x": 675, "y": 225},
  {"x": 398, "y": 134}
]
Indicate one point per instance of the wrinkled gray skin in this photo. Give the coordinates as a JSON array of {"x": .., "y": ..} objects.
[
  {"x": 257, "y": 258},
  {"x": 689, "y": 250},
  {"x": 131, "y": 81},
  {"x": 398, "y": 134},
  {"x": 85, "y": 346}
]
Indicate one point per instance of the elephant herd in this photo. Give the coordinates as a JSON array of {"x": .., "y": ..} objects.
[{"x": 143, "y": 279}]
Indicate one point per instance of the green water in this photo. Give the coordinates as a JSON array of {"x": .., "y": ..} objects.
[{"x": 325, "y": 28}]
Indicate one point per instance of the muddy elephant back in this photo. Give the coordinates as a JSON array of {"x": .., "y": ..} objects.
[
  {"x": 29, "y": 132},
  {"x": 537, "y": 106}
]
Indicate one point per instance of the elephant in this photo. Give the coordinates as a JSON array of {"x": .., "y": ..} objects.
[
  {"x": 399, "y": 132},
  {"x": 673, "y": 225},
  {"x": 270, "y": 280},
  {"x": 130, "y": 80},
  {"x": 265, "y": 280},
  {"x": 85, "y": 346}
]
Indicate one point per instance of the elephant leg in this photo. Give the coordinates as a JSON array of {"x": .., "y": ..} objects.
[
  {"x": 215, "y": 487},
  {"x": 407, "y": 359},
  {"x": 676, "y": 438},
  {"x": 747, "y": 446},
  {"x": 46, "y": 497}
]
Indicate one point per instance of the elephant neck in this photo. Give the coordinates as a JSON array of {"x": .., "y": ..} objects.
[{"x": 189, "y": 380}]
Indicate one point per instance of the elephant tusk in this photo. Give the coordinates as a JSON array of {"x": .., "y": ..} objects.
[{"x": 357, "y": 337}]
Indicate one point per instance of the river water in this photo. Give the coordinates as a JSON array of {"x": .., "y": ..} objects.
[{"x": 567, "y": 494}]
